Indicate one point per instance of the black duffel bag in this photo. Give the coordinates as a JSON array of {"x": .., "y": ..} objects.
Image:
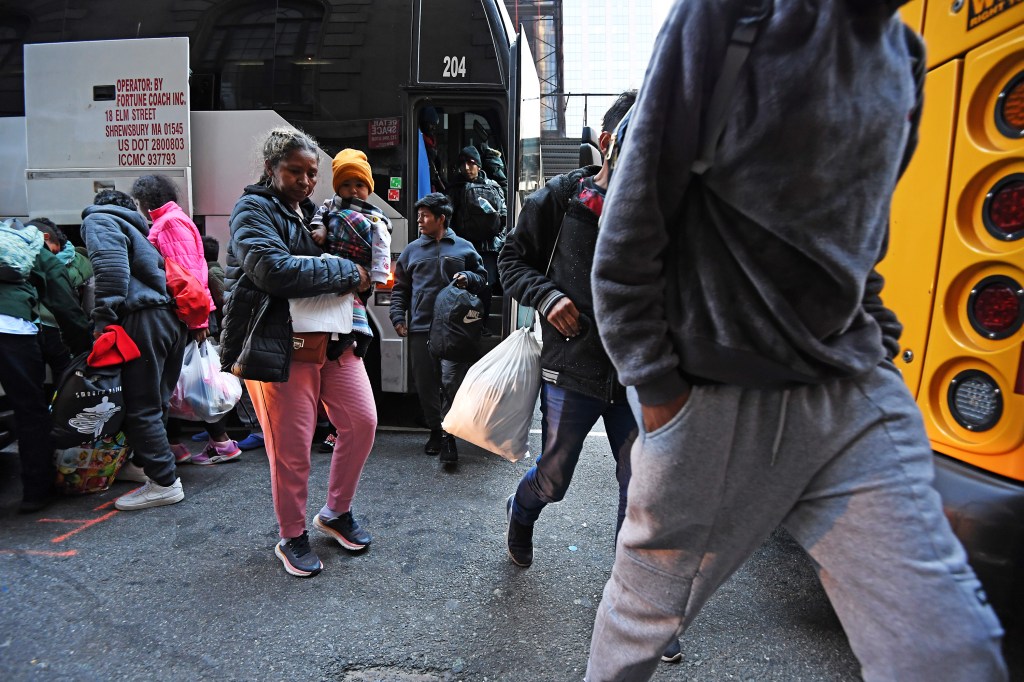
[
  {"x": 87, "y": 405},
  {"x": 456, "y": 326}
]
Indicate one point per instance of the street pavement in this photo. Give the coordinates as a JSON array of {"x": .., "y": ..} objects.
[{"x": 194, "y": 592}]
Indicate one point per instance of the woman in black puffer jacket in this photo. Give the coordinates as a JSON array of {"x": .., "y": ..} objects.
[{"x": 265, "y": 269}]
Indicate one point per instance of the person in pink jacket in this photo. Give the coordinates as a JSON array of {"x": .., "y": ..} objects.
[{"x": 177, "y": 238}]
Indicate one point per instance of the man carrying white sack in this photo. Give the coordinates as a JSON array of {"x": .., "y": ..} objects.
[{"x": 579, "y": 383}]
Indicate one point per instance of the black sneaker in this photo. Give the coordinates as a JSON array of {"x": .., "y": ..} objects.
[
  {"x": 434, "y": 443},
  {"x": 449, "y": 453},
  {"x": 329, "y": 441},
  {"x": 345, "y": 529},
  {"x": 298, "y": 557},
  {"x": 519, "y": 538},
  {"x": 673, "y": 652}
]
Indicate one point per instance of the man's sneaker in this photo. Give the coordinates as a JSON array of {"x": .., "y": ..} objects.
[
  {"x": 131, "y": 472},
  {"x": 329, "y": 442},
  {"x": 519, "y": 538},
  {"x": 449, "y": 453},
  {"x": 181, "y": 453},
  {"x": 201, "y": 436},
  {"x": 151, "y": 494},
  {"x": 434, "y": 443},
  {"x": 217, "y": 452},
  {"x": 673, "y": 652},
  {"x": 298, "y": 557},
  {"x": 345, "y": 529},
  {"x": 251, "y": 442}
]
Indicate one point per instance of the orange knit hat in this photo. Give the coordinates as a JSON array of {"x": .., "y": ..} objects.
[{"x": 351, "y": 163}]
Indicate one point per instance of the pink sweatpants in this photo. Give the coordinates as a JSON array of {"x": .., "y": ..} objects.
[{"x": 287, "y": 413}]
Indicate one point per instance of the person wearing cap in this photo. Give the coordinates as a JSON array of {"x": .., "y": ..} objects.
[
  {"x": 479, "y": 217},
  {"x": 348, "y": 225}
]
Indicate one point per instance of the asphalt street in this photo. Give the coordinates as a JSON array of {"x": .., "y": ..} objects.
[{"x": 194, "y": 592}]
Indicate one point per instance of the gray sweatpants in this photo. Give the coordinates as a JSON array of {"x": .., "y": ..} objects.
[{"x": 846, "y": 468}]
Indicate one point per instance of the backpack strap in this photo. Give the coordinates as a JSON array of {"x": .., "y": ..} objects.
[{"x": 744, "y": 35}]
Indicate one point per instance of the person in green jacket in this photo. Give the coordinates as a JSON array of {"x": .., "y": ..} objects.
[
  {"x": 21, "y": 362},
  {"x": 55, "y": 351}
]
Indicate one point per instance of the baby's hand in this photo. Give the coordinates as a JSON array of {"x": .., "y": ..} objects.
[{"x": 320, "y": 235}]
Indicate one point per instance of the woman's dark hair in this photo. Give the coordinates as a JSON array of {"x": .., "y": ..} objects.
[
  {"x": 153, "y": 191},
  {"x": 280, "y": 143},
  {"x": 211, "y": 247},
  {"x": 438, "y": 204},
  {"x": 112, "y": 197}
]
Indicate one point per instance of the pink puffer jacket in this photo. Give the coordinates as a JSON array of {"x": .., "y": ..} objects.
[{"x": 175, "y": 236}]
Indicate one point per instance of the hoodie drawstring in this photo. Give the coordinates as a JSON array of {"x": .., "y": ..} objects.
[{"x": 781, "y": 426}]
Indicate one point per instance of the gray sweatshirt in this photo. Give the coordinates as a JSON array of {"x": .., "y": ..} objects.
[{"x": 761, "y": 272}]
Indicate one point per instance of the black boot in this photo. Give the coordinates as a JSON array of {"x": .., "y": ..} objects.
[
  {"x": 449, "y": 453},
  {"x": 519, "y": 538},
  {"x": 434, "y": 443}
]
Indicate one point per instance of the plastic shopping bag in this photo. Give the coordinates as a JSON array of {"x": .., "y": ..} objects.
[
  {"x": 203, "y": 392},
  {"x": 323, "y": 312},
  {"x": 494, "y": 406}
]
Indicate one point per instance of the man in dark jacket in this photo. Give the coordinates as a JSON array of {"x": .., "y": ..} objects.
[
  {"x": 131, "y": 291},
  {"x": 22, "y": 370},
  {"x": 426, "y": 267},
  {"x": 558, "y": 225},
  {"x": 481, "y": 225},
  {"x": 735, "y": 290}
]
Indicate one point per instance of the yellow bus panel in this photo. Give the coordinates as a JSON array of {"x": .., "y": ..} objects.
[
  {"x": 971, "y": 254},
  {"x": 919, "y": 204},
  {"x": 955, "y": 27}
]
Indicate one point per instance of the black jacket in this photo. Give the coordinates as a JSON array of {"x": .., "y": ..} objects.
[
  {"x": 426, "y": 267},
  {"x": 262, "y": 274},
  {"x": 457, "y": 193},
  {"x": 580, "y": 363}
]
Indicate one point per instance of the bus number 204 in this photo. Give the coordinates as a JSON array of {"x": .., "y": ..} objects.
[{"x": 455, "y": 67}]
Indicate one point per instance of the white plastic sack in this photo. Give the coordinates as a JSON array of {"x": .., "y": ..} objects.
[
  {"x": 494, "y": 406},
  {"x": 203, "y": 392},
  {"x": 323, "y": 312}
]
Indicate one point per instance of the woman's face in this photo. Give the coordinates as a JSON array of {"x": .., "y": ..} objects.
[{"x": 294, "y": 177}]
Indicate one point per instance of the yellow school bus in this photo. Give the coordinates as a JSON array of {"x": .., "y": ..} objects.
[{"x": 955, "y": 276}]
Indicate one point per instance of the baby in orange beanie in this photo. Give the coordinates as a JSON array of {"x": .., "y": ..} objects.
[{"x": 348, "y": 225}]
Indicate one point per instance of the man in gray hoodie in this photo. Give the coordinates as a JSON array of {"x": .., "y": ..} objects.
[{"x": 750, "y": 328}]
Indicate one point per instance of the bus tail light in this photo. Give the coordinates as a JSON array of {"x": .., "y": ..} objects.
[
  {"x": 996, "y": 307},
  {"x": 1003, "y": 212},
  {"x": 975, "y": 400},
  {"x": 1010, "y": 108}
]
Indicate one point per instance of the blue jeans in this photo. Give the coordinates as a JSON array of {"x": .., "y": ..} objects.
[{"x": 568, "y": 417}]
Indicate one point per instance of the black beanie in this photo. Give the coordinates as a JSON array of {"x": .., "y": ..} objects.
[{"x": 470, "y": 153}]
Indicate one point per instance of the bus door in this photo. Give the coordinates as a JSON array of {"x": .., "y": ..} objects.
[{"x": 525, "y": 175}]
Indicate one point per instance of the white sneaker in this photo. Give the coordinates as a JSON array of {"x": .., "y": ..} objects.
[
  {"x": 131, "y": 472},
  {"x": 151, "y": 494}
]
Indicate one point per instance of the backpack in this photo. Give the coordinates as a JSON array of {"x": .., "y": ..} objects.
[
  {"x": 192, "y": 304},
  {"x": 457, "y": 325},
  {"x": 479, "y": 217},
  {"x": 19, "y": 247},
  {"x": 88, "y": 404}
]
